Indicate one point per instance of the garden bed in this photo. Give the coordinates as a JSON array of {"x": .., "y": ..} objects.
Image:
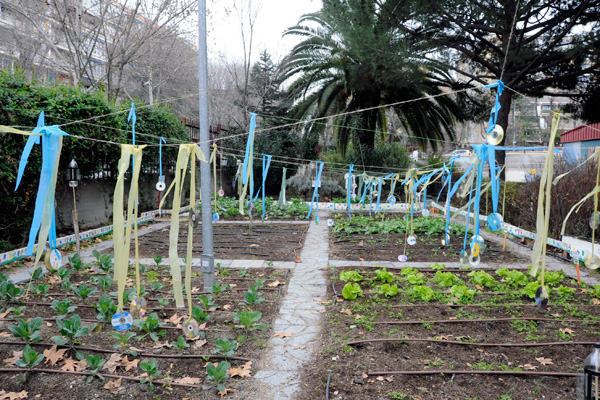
[
  {"x": 241, "y": 309},
  {"x": 452, "y": 335},
  {"x": 383, "y": 237},
  {"x": 263, "y": 241}
]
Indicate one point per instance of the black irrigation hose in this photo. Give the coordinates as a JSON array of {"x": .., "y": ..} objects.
[
  {"x": 453, "y": 321},
  {"x": 474, "y": 344},
  {"x": 327, "y": 386},
  {"x": 453, "y": 372},
  {"x": 124, "y": 377},
  {"x": 140, "y": 354},
  {"x": 336, "y": 294}
]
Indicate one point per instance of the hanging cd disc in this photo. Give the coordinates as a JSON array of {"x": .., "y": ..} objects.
[
  {"x": 480, "y": 242},
  {"x": 463, "y": 257},
  {"x": 190, "y": 328},
  {"x": 446, "y": 240},
  {"x": 474, "y": 260},
  {"x": 194, "y": 218},
  {"x": 391, "y": 200},
  {"x": 592, "y": 261},
  {"x": 160, "y": 186},
  {"x": 402, "y": 258},
  {"x": 216, "y": 217},
  {"x": 595, "y": 222},
  {"x": 475, "y": 250},
  {"x": 425, "y": 212},
  {"x": 55, "y": 259},
  {"x": 411, "y": 240},
  {"x": 495, "y": 136},
  {"x": 494, "y": 222},
  {"x": 541, "y": 297},
  {"x": 121, "y": 321},
  {"x": 330, "y": 222},
  {"x": 138, "y": 307},
  {"x": 221, "y": 192}
]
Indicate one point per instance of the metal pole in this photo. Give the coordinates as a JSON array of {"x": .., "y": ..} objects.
[
  {"x": 208, "y": 257},
  {"x": 76, "y": 223}
]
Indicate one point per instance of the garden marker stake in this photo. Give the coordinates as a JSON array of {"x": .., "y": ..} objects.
[
  {"x": 349, "y": 187},
  {"x": 188, "y": 153},
  {"x": 315, "y": 196},
  {"x": 213, "y": 161},
  {"x": 44, "y": 219},
  {"x": 266, "y": 162},
  {"x": 247, "y": 170},
  {"x": 160, "y": 185},
  {"x": 122, "y": 228},
  {"x": 281, "y": 202},
  {"x": 543, "y": 216}
]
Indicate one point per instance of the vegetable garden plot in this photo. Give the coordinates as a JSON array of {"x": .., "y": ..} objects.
[
  {"x": 268, "y": 241},
  {"x": 382, "y": 238},
  {"x": 61, "y": 324},
  {"x": 437, "y": 334}
]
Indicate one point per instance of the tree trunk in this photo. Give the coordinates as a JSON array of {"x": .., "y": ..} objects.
[{"x": 503, "y": 115}]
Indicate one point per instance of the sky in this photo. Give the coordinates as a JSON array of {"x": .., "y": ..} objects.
[{"x": 275, "y": 16}]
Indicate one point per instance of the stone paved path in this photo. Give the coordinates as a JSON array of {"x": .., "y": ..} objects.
[{"x": 278, "y": 375}]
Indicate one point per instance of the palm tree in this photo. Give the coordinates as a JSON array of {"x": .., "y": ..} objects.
[{"x": 350, "y": 65}]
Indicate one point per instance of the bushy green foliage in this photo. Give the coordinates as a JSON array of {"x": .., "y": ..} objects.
[
  {"x": 482, "y": 278},
  {"x": 351, "y": 291}
]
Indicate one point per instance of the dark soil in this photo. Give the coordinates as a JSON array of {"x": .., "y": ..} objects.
[
  {"x": 220, "y": 325},
  {"x": 263, "y": 241},
  {"x": 351, "y": 367}
]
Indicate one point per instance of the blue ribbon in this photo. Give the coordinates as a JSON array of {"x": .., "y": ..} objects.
[
  {"x": 248, "y": 148},
  {"x": 350, "y": 188},
  {"x": 50, "y": 153},
  {"x": 315, "y": 195},
  {"x": 379, "y": 188},
  {"x": 468, "y": 216},
  {"x": 265, "y": 169},
  {"x": 494, "y": 112},
  {"x": 160, "y": 142}
]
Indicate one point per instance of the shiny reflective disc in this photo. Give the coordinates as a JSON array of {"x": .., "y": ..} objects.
[
  {"x": 474, "y": 260},
  {"x": 190, "y": 328},
  {"x": 494, "y": 221},
  {"x": 496, "y": 135},
  {"x": 330, "y": 222},
  {"x": 411, "y": 240},
  {"x": 402, "y": 258},
  {"x": 425, "y": 212},
  {"x": 592, "y": 261},
  {"x": 595, "y": 222},
  {"x": 138, "y": 307},
  {"x": 194, "y": 218},
  {"x": 541, "y": 297},
  {"x": 391, "y": 200},
  {"x": 463, "y": 257}
]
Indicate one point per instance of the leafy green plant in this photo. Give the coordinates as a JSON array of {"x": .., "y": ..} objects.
[
  {"x": 104, "y": 282},
  {"x": 94, "y": 363},
  {"x": 104, "y": 261},
  {"x": 351, "y": 291},
  {"x": 162, "y": 304},
  {"x": 199, "y": 315},
  {"x": 41, "y": 289},
  {"x": 83, "y": 291},
  {"x": 386, "y": 289},
  {"x": 220, "y": 288},
  {"x": 259, "y": 283},
  {"x": 565, "y": 291},
  {"x": 218, "y": 374},
  {"x": 384, "y": 276},
  {"x": 30, "y": 358},
  {"x": 462, "y": 293},
  {"x": 530, "y": 289},
  {"x": 225, "y": 347},
  {"x": 446, "y": 279},
  {"x": 554, "y": 277},
  {"x": 105, "y": 308},
  {"x": 437, "y": 267},
  {"x": 207, "y": 302},
  {"x": 63, "y": 273},
  {"x": 350, "y": 275},
  {"x": 151, "y": 369},
  {"x": 422, "y": 293},
  {"x": 70, "y": 329},
  {"x": 482, "y": 278},
  {"x": 17, "y": 311},
  {"x": 37, "y": 274},
  {"x": 157, "y": 260},
  {"x": 597, "y": 291},
  {"x": 76, "y": 262},
  {"x": 252, "y": 297},
  {"x": 181, "y": 344},
  {"x": 10, "y": 292},
  {"x": 151, "y": 326},
  {"x": 122, "y": 339},
  {"x": 28, "y": 331},
  {"x": 63, "y": 307},
  {"x": 416, "y": 279},
  {"x": 249, "y": 320}
]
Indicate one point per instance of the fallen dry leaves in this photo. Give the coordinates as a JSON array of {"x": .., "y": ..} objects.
[
  {"x": 299, "y": 346},
  {"x": 224, "y": 392},
  {"x": 567, "y": 331},
  {"x": 544, "y": 361},
  {"x": 13, "y": 395},
  {"x": 114, "y": 385},
  {"x": 188, "y": 380},
  {"x": 595, "y": 302},
  {"x": 245, "y": 371},
  {"x": 274, "y": 284},
  {"x": 73, "y": 365},
  {"x": 10, "y": 361},
  {"x": 282, "y": 334},
  {"x": 112, "y": 363},
  {"x": 346, "y": 311},
  {"x": 53, "y": 355},
  {"x": 175, "y": 319}
]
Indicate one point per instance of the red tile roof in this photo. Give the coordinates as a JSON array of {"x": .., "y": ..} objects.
[{"x": 581, "y": 133}]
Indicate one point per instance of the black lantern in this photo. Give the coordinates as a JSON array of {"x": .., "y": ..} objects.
[
  {"x": 73, "y": 174},
  {"x": 591, "y": 374}
]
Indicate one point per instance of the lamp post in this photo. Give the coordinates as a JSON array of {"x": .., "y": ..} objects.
[{"x": 74, "y": 176}]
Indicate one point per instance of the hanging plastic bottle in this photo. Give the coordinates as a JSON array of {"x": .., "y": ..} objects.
[{"x": 591, "y": 373}]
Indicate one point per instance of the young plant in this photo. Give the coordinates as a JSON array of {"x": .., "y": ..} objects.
[
  {"x": 350, "y": 275},
  {"x": 218, "y": 374},
  {"x": 207, "y": 302},
  {"x": 151, "y": 326},
  {"x": 181, "y": 344},
  {"x": 249, "y": 320},
  {"x": 162, "y": 304},
  {"x": 104, "y": 261},
  {"x": 422, "y": 293},
  {"x": 122, "y": 339},
  {"x": 63, "y": 307},
  {"x": 105, "y": 308},
  {"x": 28, "y": 331},
  {"x": 30, "y": 358},
  {"x": 156, "y": 286},
  {"x": 76, "y": 262},
  {"x": 462, "y": 293},
  {"x": 157, "y": 260},
  {"x": 104, "y": 282},
  {"x": 63, "y": 273},
  {"x": 384, "y": 276},
  {"x": 219, "y": 288},
  {"x": 9, "y": 292},
  {"x": 351, "y": 291},
  {"x": 482, "y": 278},
  {"x": 199, "y": 315},
  {"x": 17, "y": 311},
  {"x": 70, "y": 330},
  {"x": 41, "y": 289},
  {"x": 151, "y": 369},
  {"x": 251, "y": 297},
  {"x": 37, "y": 274},
  {"x": 83, "y": 291},
  {"x": 94, "y": 363},
  {"x": 446, "y": 279},
  {"x": 386, "y": 289},
  {"x": 225, "y": 347}
]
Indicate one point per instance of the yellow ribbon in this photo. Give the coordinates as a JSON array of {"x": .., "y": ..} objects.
[
  {"x": 213, "y": 160},
  {"x": 8, "y": 129},
  {"x": 122, "y": 232},
  {"x": 543, "y": 209}
]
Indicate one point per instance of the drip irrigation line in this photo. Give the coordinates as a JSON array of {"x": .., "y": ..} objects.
[
  {"x": 459, "y": 372},
  {"x": 140, "y": 354},
  {"x": 427, "y": 269},
  {"x": 489, "y": 305},
  {"x": 277, "y": 301},
  {"x": 327, "y": 386},
  {"x": 124, "y": 377},
  {"x": 474, "y": 344},
  {"x": 454, "y": 321}
]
